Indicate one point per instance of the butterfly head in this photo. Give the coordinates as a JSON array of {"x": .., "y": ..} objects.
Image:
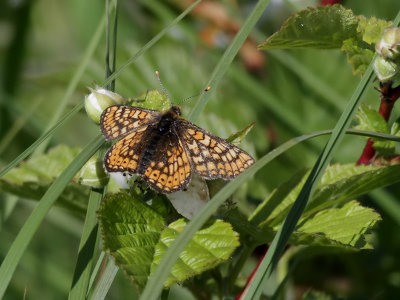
[{"x": 176, "y": 109}]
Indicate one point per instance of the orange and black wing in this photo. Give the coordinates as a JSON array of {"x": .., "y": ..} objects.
[
  {"x": 119, "y": 120},
  {"x": 124, "y": 155},
  {"x": 210, "y": 156},
  {"x": 167, "y": 170}
]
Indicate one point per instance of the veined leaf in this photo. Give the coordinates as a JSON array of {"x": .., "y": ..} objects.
[
  {"x": 370, "y": 120},
  {"x": 208, "y": 248},
  {"x": 339, "y": 184},
  {"x": 33, "y": 177},
  {"x": 136, "y": 236},
  {"x": 324, "y": 27},
  {"x": 358, "y": 54},
  {"x": 346, "y": 225},
  {"x": 372, "y": 28}
]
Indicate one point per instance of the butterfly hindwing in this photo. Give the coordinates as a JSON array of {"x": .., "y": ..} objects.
[
  {"x": 168, "y": 168},
  {"x": 124, "y": 155},
  {"x": 119, "y": 120},
  {"x": 212, "y": 157}
]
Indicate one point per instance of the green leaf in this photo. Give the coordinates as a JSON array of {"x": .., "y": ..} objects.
[
  {"x": 151, "y": 100},
  {"x": 346, "y": 225},
  {"x": 371, "y": 29},
  {"x": 370, "y": 120},
  {"x": 358, "y": 55},
  {"x": 238, "y": 137},
  {"x": 324, "y": 27},
  {"x": 208, "y": 248},
  {"x": 32, "y": 178},
  {"x": 340, "y": 183},
  {"x": 136, "y": 236}
]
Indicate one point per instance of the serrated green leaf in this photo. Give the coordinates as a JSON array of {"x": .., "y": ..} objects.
[
  {"x": 346, "y": 225},
  {"x": 33, "y": 177},
  {"x": 136, "y": 236},
  {"x": 358, "y": 55},
  {"x": 238, "y": 137},
  {"x": 324, "y": 27},
  {"x": 370, "y": 120},
  {"x": 371, "y": 29},
  {"x": 151, "y": 100},
  {"x": 339, "y": 184},
  {"x": 208, "y": 248},
  {"x": 131, "y": 230}
]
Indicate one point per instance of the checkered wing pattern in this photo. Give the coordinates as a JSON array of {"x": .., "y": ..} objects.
[
  {"x": 124, "y": 155},
  {"x": 119, "y": 120},
  {"x": 212, "y": 157},
  {"x": 168, "y": 169}
]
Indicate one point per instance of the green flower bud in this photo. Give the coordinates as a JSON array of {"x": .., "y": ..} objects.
[
  {"x": 389, "y": 45},
  {"x": 385, "y": 69},
  {"x": 98, "y": 100},
  {"x": 92, "y": 173}
]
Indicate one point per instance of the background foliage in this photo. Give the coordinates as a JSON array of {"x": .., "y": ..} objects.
[{"x": 286, "y": 93}]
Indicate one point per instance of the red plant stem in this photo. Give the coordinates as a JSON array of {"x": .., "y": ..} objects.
[
  {"x": 329, "y": 2},
  {"x": 389, "y": 96},
  {"x": 250, "y": 279}
]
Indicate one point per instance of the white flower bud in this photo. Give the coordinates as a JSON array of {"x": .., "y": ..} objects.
[
  {"x": 92, "y": 173},
  {"x": 98, "y": 100},
  {"x": 389, "y": 45}
]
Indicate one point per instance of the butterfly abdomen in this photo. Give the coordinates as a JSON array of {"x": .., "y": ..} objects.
[{"x": 163, "y": 127}]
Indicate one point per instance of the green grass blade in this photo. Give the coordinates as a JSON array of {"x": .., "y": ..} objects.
[
  {"x": 30, "y": 226},
  {"x": 270, "y": 260},
  {"x": 79, "y": 106},
  {"x": 84, "y": 264},
  {"x": 229, "y": 55},
  {"x": 104, "y": 283}
]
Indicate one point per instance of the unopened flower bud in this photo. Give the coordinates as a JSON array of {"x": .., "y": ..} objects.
[
  {"x": 98, "y": 100},
  {"x": 92, "y": 173},
  {"x": 389, "y": 45}
]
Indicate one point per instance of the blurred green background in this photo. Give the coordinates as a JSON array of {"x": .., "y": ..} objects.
[{"x": 287, "y": 94}]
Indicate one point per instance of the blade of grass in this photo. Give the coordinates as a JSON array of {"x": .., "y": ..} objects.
[
  {"x": 83, "y": 267},
  {"x": 104, "y": 283},
  {"x": 253, "y": 291},
  {"x": 79, "y": 106},
  {"x": 228, "y": 56},
  {"x": 30, "y": 226}
]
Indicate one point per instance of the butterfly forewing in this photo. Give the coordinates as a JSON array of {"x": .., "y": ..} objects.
[
  {"x": 119, "y": 120},
  {"x": 212, "y": 157}
]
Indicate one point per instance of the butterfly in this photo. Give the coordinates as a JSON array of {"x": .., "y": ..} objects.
[{"x": 165, "y": 149}]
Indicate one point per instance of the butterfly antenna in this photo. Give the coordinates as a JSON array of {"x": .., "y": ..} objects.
[
  {"x": 199, "y": 94},
  {"x": 164, "y": 90}
]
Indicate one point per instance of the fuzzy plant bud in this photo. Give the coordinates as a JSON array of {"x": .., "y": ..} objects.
[
  {"x": 98, "y": 100},
  {"x": 385, "y": 69},
  {"x": 92, "y": 173},
  {"x": 389, "y": 45}
]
